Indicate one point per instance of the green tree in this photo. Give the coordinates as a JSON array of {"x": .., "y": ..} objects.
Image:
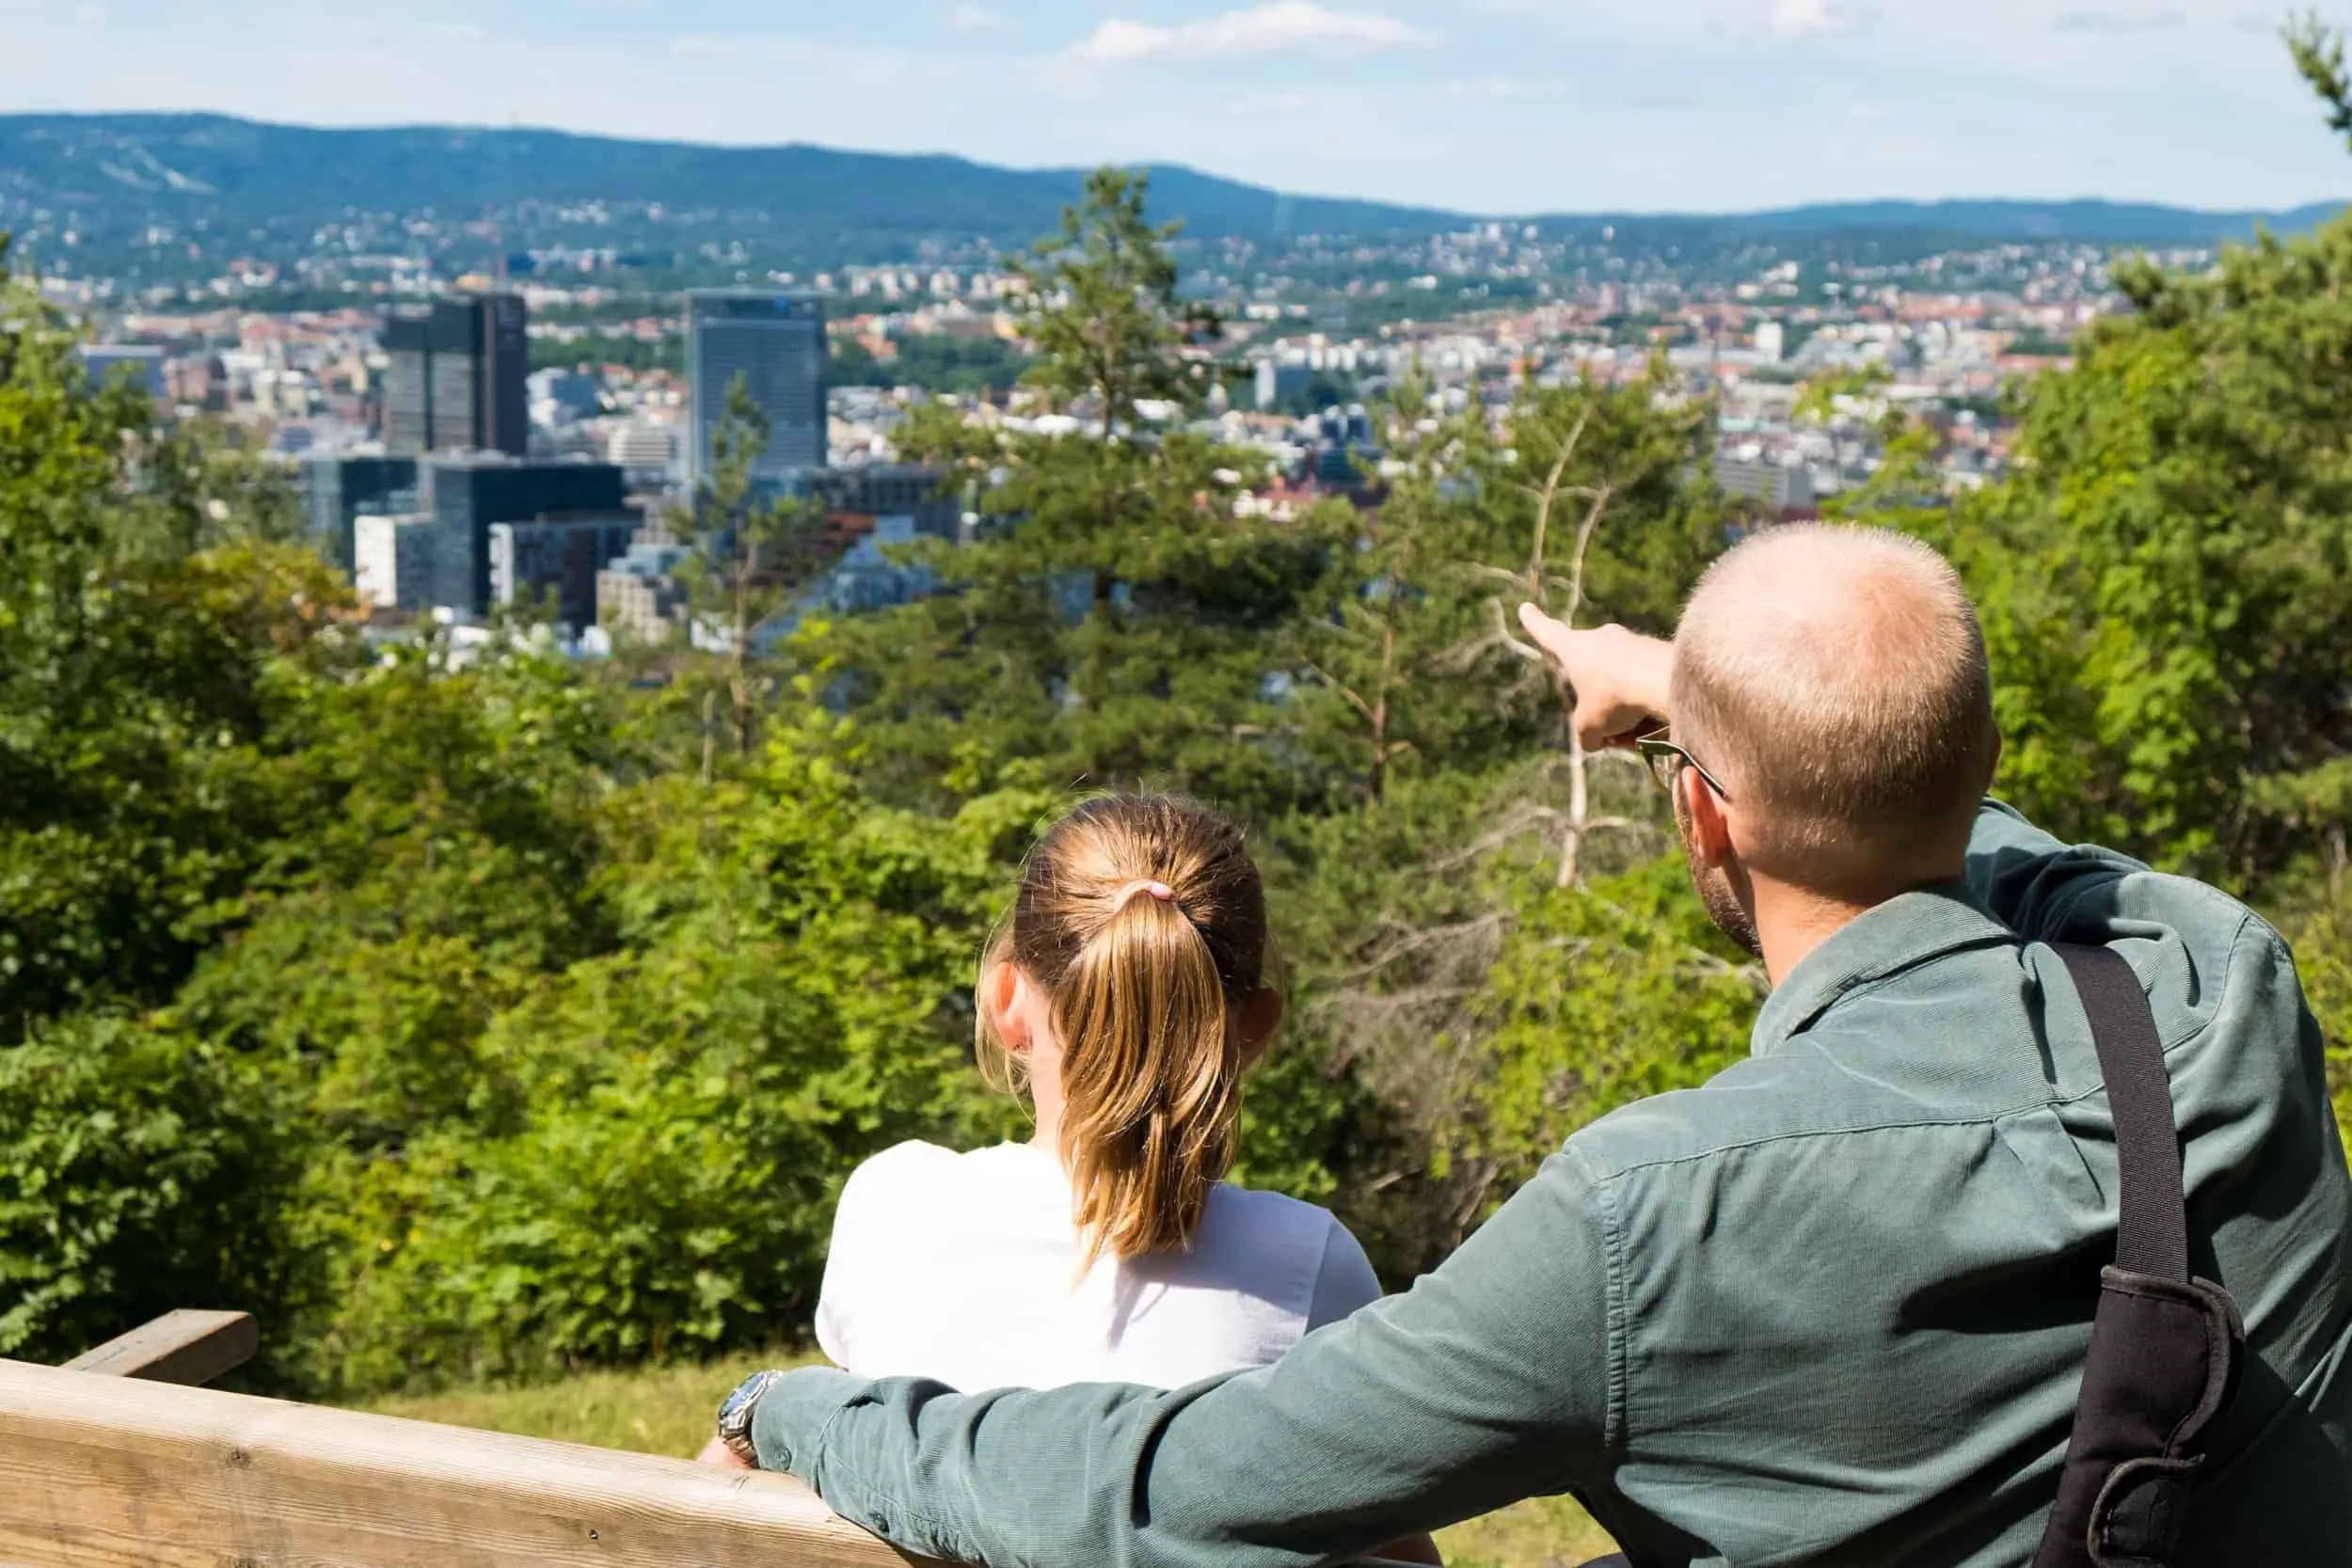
[
  {"x": 144, "y": 617},
  {"x": 1111, "y": 624},
  {"x": 755, "y": 548},
  {"x": 1110, "y": 317},
  {"x": 2163, "y": 579},
  {"x": 783, "y": 999}
]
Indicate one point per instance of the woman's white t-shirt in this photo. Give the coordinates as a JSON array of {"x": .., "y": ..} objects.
[{"x": 964, "y": 1268}]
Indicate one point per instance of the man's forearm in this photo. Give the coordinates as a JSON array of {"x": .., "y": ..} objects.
[{"x": 1482, "y": 1385}]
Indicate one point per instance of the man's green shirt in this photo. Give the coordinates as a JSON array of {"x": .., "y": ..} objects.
[{"x": 1830, "y": 1309}]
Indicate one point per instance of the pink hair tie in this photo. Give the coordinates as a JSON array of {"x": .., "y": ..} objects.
[{"x": 1160, "y": 890}]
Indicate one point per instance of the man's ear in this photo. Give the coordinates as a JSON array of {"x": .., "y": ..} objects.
[
  {"x": 1259, "y": 1016},
  {"x": 1710, "y": 818},
  {"x": 1000, "y": 1001}
]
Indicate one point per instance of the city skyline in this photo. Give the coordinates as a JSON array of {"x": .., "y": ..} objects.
[{"x": 1499, "y": 107}]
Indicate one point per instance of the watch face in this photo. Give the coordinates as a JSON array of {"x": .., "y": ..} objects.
[{"x": 744, "y": 1393}]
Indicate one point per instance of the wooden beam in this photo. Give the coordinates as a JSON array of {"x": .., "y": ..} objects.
[
  {"x": 184, "y": 1347},
  {"x": 103, "y": 1472}
]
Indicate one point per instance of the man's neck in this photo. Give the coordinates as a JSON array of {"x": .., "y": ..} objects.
[{"x": 1791, "y": 922}]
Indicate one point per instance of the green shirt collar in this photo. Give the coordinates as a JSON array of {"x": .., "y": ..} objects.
[{"x": 1906, "y": 931}]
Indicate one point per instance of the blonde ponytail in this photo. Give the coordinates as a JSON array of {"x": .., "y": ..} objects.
[{"x": 1144, "y": 920}]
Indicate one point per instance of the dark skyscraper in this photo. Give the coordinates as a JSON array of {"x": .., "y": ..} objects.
[
  {"x": 465, "y": 495},
  {"x": 457, "y": 377},
  {"x": 776, "y": 344}
]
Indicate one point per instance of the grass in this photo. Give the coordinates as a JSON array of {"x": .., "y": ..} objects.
[{"x": 668, "y": 1410}]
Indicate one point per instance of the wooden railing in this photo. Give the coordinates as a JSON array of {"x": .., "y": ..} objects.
[
  {"x": 109, "y": 1462},
  {"x": 115, "y": 1460}
]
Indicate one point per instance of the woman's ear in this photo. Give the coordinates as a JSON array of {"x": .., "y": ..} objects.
[
  {"x": 1255, "y": 1023},
  {"x": 1000, "y": 998}
]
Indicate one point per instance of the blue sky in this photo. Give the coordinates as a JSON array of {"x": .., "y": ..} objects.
[{"x": 1489, "y": 106}]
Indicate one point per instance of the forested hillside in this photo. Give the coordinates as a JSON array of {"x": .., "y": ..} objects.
[
  {"x": 487, "y": 1020},
  {"x": 472, "y": 194}
]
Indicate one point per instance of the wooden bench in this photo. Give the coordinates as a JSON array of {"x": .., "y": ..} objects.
[
  {"x": 119, "y": 1460},
  {"x": 113, "y": 1462}
]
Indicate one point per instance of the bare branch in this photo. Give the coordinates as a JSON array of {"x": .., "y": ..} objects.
[
  {"x": 1485, "y": 927},
  {"x": 1523, "y": 819},
  {"x": 1362, "y": 708},
  {"x": 1584, "y": 543},
  {"x": 1543, "y": 501}
]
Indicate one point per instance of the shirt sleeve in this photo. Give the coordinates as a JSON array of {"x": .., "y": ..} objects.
[
  {"x": 2028, "y": 878},
  {"x": 1345, "y": 1283},
  {"x": 1491, "y": 1380}
]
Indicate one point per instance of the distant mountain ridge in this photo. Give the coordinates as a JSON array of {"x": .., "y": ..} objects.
[{"x": 118, "y": 173}]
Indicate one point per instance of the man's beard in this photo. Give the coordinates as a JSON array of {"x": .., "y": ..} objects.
[{"x": 1723, "y": 906}]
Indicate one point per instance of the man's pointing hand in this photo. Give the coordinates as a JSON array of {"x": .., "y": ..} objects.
[{"x": 1623, "y": 682}]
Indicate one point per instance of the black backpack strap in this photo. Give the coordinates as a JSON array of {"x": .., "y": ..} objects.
[{"x": 2164, "y": 1347}]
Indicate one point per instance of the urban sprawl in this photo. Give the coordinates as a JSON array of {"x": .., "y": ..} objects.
[{"x": 468, "y": 442}]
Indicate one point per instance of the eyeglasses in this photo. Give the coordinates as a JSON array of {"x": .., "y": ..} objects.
[{"x": 1666, "y": 759}]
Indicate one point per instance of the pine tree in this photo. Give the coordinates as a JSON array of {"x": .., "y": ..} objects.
[{"x": 1113, "y": 625}]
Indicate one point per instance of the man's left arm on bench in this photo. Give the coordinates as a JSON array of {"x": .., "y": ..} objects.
[{"x": 1485, "y": 1383}]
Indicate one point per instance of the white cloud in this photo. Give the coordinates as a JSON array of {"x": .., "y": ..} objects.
[
  {"x": 976, "y": 19},
  {"x": 702, "y": 46},
  {"x": 1275, "y": 27},
  {"x": 458, "y": 32},
  {"x": 1496, "y": 89},
  {"x": 1272, "y": 103},
  {"x": 1797, "y": 19},
  {"x": 2120, "y": 19}
]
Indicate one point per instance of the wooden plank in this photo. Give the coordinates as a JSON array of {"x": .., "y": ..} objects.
[
  {"x": 185, "y": 1347},
  {"x": 103, "y": 1472}
]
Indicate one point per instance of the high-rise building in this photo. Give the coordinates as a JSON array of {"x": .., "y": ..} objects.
[
  {"x": 457, "y": 377},
  {"x": 563, "y": 555},
  {"x": 466, "y": 493},
  {"x": 337, "y": 489},
  {"x": 775, "y": 344}
]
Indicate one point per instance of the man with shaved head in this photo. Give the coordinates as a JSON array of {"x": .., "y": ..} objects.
[
  {"x": 1836, "y": 1306},
  {"x": 1837, "y": 676}
]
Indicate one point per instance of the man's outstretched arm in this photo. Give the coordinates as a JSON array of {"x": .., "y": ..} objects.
[
  {"x": 1623, "y": 684},
  {"x": 1489, "y": 1382}
]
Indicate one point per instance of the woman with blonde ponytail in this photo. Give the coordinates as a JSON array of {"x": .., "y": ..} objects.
[{"x": 1127, "y": 993}]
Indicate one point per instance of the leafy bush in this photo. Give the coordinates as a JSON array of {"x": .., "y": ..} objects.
[
  {"x": 655, "y": 1174},
  {"x": 143, "y": 1173}
]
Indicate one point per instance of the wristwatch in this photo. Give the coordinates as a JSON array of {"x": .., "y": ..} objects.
[{"x": 735, "y": 1416}]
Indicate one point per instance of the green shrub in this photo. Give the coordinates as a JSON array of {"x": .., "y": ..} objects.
[
  {"x": 655, "y": 1175},
  {"x": 142, "y": 1173}
]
